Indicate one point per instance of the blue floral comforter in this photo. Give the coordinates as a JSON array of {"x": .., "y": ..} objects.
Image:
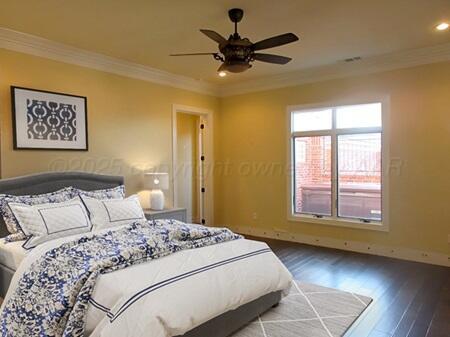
[{"x": 51, "y": 298}]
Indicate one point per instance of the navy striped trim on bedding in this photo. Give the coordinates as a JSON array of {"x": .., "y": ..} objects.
[
  {"x": 100, "y": 307},
  {"x": 171, "y": 280}
]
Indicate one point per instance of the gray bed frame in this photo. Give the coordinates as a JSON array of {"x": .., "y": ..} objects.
[{"x": 220, "y": 326}]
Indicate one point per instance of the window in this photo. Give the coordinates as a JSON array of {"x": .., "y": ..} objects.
[
  {"x": 313, "y": 176},
  {"x": 337, "y": 154}
]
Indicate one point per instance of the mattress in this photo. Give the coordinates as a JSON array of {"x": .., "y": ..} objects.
[{"x": 12, "y": 254}]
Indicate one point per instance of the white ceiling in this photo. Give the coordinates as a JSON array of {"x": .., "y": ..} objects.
[{"x": 146, "y": 31}]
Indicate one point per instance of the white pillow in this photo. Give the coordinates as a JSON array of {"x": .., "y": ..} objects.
[
  {"x": 46, "y": 222},
  {"x": 113, "y": 212}
]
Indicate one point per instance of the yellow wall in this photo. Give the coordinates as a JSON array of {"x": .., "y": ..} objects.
[
  {"x": 253, "y": 130},
  {"x": 130, "y": 121},
  {"x": 130, "y": 131}
]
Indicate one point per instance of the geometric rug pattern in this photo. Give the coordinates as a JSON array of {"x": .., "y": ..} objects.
[{"x": 309, "y": 311}]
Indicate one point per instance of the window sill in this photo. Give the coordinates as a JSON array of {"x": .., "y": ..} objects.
[{"x": 339, "y": 222}]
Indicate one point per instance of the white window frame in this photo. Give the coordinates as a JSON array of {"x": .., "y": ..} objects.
[{"x": 334, "y": 220}]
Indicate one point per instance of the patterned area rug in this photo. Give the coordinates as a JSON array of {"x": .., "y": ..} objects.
[{"x": 309, "y": 311}]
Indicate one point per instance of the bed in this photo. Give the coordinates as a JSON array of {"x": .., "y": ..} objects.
[{"x": 224, "y": 324}]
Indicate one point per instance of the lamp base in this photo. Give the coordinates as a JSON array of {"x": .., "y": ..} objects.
[{"x": 157, "y": 200}]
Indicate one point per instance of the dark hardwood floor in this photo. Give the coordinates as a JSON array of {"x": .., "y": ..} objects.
[{"x": 410, "y": 299}]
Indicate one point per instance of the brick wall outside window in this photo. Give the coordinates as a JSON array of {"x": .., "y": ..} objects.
[{"x": 360, "y": 164}]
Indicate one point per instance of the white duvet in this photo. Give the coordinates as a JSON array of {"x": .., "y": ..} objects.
[{"x": 174, "y": 294}]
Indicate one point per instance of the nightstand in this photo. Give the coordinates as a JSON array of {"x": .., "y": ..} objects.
[{"x": 170, "y": 213}]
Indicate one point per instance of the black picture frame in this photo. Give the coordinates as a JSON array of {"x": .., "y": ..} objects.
[{"x": 14, "y": 111}]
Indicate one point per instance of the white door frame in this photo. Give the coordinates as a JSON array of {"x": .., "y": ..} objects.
[{"x": 208, "y": 147}]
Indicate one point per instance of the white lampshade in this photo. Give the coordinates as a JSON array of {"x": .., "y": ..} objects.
[{"x": 157, "y": 181}]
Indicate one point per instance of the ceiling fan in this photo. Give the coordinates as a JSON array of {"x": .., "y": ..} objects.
[{"x": 237, "y": 54}]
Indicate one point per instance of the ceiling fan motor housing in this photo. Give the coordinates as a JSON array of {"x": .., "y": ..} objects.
[{"x": 237, "y": 53}]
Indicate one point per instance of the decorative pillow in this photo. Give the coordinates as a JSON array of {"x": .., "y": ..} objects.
[
  {"x": 113, "y": 212},
  {"x": 45, "y": 222},
  {"x": 11, "y": 222},
  {"x": 109, "y": 193}
]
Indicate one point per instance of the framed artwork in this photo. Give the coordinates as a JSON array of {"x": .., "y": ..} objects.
[{"x": 44, "y": 120}]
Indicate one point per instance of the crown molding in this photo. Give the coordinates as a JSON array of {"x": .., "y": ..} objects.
[
  {"x": 369, "y": 65},
  {"x": 37, "y": 46},
  {"x": 34, "y": 45}
]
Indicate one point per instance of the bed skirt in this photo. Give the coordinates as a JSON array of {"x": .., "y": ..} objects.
[{"x": 231, "y": 321}]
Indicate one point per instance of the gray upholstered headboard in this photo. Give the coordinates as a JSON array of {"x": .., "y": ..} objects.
[{"x": 53, "y": 181}]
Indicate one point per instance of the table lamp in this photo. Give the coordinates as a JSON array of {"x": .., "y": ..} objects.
[{"x": 156, "y": 182}]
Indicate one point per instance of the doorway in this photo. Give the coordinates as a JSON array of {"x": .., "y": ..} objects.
[
  {"x": 188, "y": 168},
  {"x": 192, "y": 160}
]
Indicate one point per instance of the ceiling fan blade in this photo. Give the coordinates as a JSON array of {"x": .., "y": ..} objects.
[
  {"x": 214, "y": 36},
  {"x": 275, "y": 41},
  {"x": 270, "y": 58},
  {"x": 192, "y": 54},
  {"x": 223, "y": 67}
]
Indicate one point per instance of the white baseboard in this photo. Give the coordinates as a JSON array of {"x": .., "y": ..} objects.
[{"x": 355, "y": 246}]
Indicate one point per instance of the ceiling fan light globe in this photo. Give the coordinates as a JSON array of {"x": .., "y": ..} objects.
[{"x": 237, "y": 66}]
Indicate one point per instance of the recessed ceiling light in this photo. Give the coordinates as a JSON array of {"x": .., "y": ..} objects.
[
  {"x": 442, "y": 26},
  {"x": 222, "y": 73}
]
